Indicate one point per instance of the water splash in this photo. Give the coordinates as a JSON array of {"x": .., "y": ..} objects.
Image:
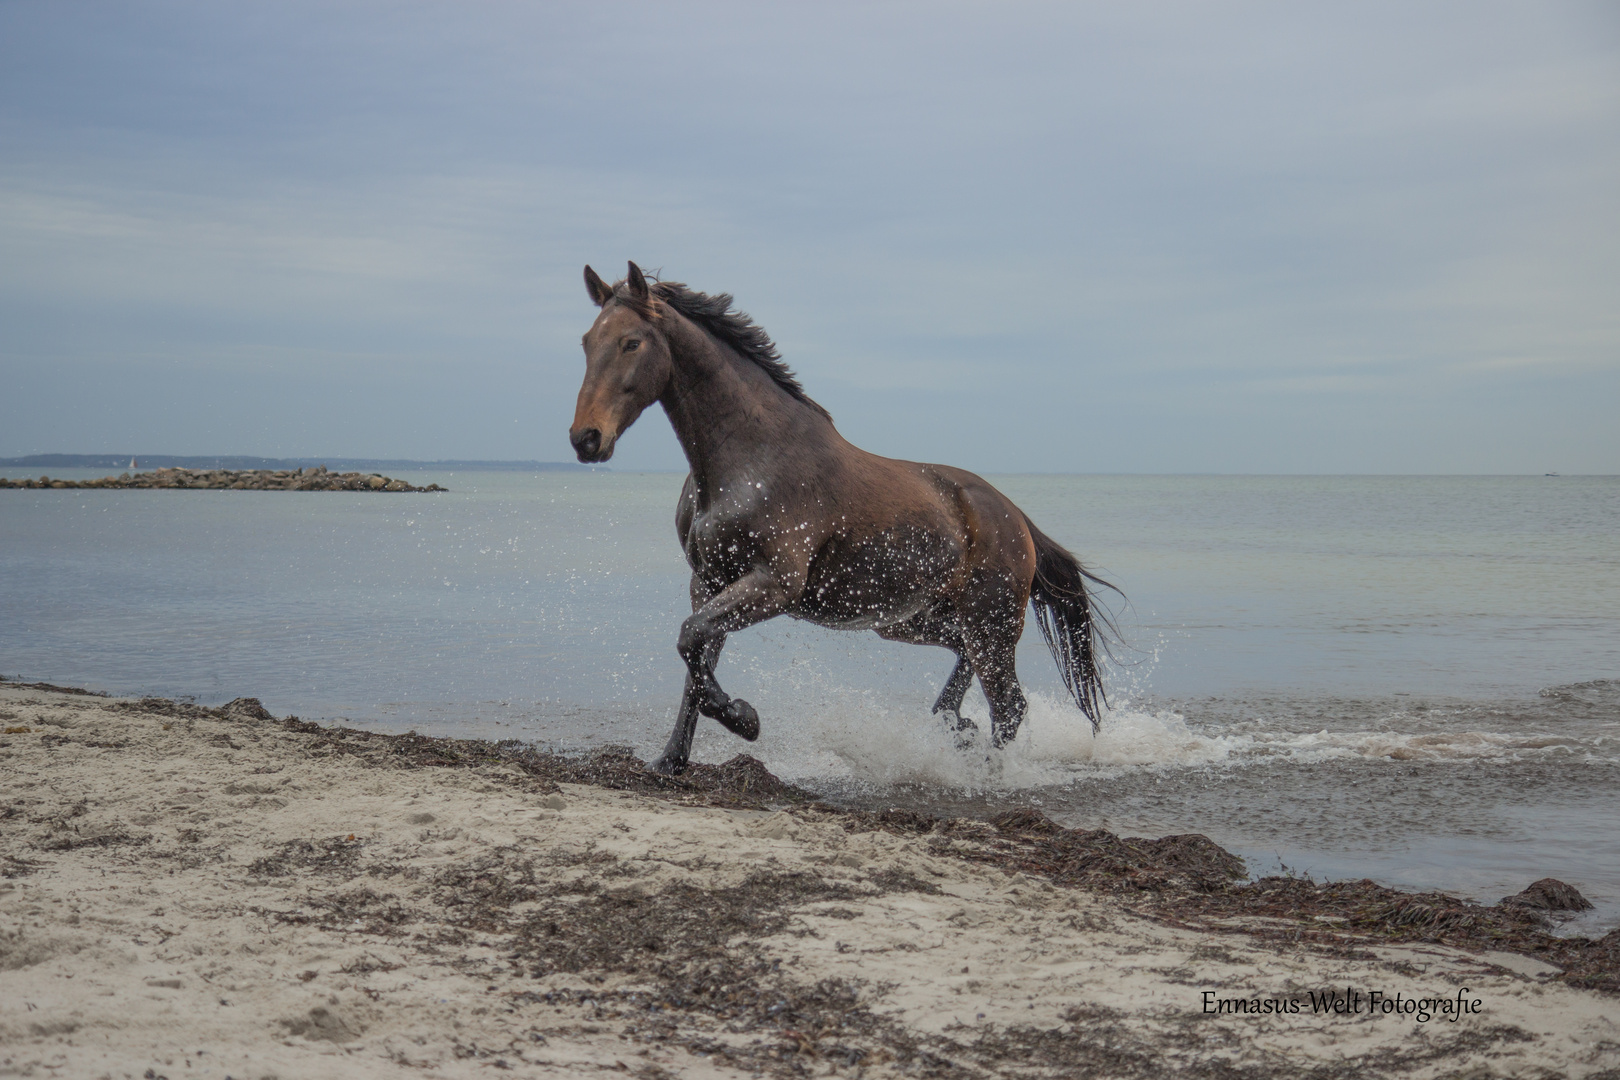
[
  {"x": 891, "y": 746},
  {"x": 879, "y": 741}
]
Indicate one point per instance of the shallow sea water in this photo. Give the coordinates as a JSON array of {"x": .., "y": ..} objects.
[{"x": 1414, "y": 679}]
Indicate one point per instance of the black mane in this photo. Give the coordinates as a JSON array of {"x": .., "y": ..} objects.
[{"x": 735, "y": 328}]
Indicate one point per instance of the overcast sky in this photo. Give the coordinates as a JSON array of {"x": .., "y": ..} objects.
[{"x": 1011, "y": 236}]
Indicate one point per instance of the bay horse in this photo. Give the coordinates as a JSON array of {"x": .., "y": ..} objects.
[{"x": 781, "y": 516}]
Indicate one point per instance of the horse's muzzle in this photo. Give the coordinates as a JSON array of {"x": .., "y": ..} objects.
[{"x": 587, "y": 445}]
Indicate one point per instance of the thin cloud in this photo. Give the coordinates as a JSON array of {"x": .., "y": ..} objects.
[{"x": 1155, "y": 236}]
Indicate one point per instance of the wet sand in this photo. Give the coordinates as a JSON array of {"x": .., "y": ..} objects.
[{"x": 200, "y": 892}]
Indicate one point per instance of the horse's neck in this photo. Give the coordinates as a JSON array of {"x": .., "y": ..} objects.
[{"x": 726, "y": 411}]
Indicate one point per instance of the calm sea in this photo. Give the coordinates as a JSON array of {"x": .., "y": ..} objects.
[{"x": 1414, "y": 679}]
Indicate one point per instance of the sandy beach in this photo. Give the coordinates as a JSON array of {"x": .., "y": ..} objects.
[{"x": 214, "y": 892}]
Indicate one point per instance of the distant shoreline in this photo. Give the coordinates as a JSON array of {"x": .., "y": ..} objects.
[
  {"x": 121, "y": 462},
  {"x": 147, "y": 462},
  {"x": 316, "y": 479}
]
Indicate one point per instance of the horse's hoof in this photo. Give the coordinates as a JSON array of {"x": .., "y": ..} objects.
[
  {"x": 964, "y": 732},
  {"x": 667, "y": 767},
  {"x": 739, "y": 718}
]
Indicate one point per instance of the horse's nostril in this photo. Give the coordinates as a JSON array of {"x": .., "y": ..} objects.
[{"x": 587, "y": 442}]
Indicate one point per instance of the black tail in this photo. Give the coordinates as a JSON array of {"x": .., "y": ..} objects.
[{"x": 1072, "y": 621}]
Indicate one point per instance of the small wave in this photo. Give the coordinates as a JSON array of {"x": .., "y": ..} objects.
[
  {"x": 1592, "y": 700},
  {"x": 1396, "y": 746},
  {"x": 889, "y": 746}
]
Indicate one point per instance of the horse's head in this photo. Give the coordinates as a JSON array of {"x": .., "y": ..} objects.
[{"x": 627, "y": 365}]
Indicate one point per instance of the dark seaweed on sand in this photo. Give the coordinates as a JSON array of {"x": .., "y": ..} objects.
[
  {"x": 1184, "y": 879},
  {"x": 1187, "y": 880}
]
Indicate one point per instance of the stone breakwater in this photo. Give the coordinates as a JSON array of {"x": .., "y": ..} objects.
[{"x": 316, "y": 479}]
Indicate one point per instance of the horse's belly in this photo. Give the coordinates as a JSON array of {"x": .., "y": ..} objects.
[
  {"x": 870, "y": 585},
  {"x": 856, "y": 620}
]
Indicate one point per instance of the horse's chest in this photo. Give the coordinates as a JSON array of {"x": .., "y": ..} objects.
[{"x": 721, "y": 550}]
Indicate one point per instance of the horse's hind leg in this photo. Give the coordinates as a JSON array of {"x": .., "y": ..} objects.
[
  {"x": 999, "y": 677},
  {"x": 1007, "y": 702},
  {"x": 992, "y": 650},
  {"x": 940, "y": 630},
  {"x": 950, "y": 702}
]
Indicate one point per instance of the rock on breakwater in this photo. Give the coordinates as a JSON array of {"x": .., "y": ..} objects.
[{"x": 316, "y": 479}]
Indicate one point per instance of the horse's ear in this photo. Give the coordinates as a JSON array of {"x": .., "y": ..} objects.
[
  {"x": 600, "y": 291},
  {"x": 638, "y": 284}
]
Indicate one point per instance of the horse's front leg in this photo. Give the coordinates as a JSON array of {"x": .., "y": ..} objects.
[
  {"x": 755, "y": 597},
  {"x": 678, "y": 751}
]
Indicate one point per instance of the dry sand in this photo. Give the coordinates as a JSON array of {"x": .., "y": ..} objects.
[{"x": 211, "y": 892}]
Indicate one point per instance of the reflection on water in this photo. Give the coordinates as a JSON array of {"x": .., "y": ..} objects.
[{"x": 1341, "y": 676}]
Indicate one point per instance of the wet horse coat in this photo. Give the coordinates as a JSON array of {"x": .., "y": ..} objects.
[{"x": 781, "y": 515}]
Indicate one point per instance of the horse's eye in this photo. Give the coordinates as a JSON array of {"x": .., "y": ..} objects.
[{"x": 632, "y": 345}]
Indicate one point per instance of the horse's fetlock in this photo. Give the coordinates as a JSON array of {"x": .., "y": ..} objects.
[
  {"x": 668, "y": 766},
  {"x": 1002, "y": 734},
  {"x": 714, "y": 702}
]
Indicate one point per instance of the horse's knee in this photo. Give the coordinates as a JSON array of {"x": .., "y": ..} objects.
[{"x": 690, "y": 643}]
